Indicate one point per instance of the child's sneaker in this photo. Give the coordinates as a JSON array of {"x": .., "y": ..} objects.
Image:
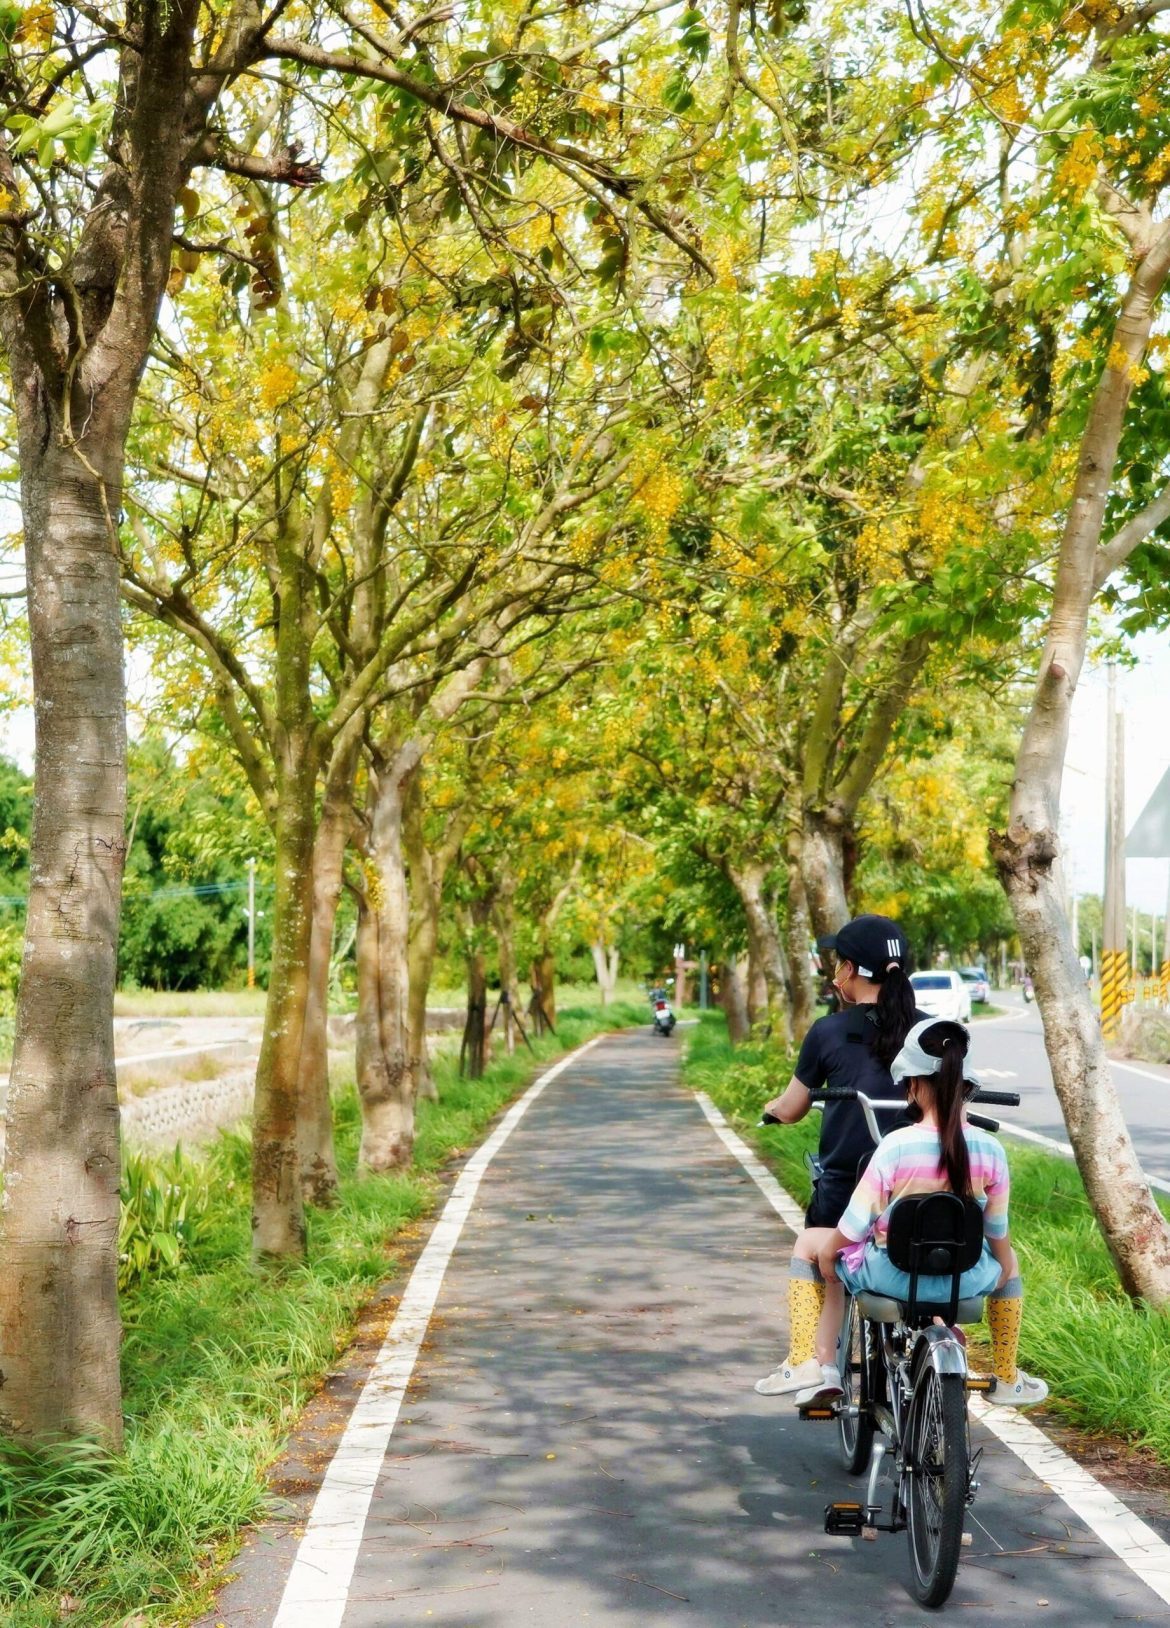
[
  {"x": 787, "y": 1378},
  {"x": 1023, "y": 1394},
  {"x": 828, "y": 1389}
]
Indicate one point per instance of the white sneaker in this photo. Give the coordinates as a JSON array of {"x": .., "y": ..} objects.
[
  {"x": 827, "y": 1389},
  {"x": 1023, "y": 1394},
  {"x": 786, "y": 1378}
]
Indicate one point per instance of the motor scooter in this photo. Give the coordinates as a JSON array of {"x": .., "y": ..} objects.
[{"x": 664, "y": 1019}]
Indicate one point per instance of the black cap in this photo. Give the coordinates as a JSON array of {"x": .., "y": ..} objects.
[{"x": 874, "y": 944}]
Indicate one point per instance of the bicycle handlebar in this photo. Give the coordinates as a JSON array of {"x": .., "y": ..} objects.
[{"x": 843, "y": 1093}]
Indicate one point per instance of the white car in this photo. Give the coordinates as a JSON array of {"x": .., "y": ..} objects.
[{"x": 942, "y": 994}]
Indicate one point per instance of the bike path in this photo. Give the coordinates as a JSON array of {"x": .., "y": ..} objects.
[{"x": 581, "y": 1444}]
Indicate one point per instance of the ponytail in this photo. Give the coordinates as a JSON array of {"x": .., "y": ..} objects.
[
  {"x": 895, "y": 1013},
  {"x": 949, "y": 1041}
]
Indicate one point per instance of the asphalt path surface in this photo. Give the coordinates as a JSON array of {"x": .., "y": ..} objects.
[
  {"x": 581, "y": 1443},
  {"x": 1009, "y": 1054}
]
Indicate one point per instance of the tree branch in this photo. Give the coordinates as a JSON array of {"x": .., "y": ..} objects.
[{"x": 1123, "y": 542}]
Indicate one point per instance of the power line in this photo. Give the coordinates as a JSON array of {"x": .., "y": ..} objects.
[{"x": 199, "y": 890}]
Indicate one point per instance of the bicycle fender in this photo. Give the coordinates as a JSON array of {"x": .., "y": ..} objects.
[{"x": 944, "y": 1352}]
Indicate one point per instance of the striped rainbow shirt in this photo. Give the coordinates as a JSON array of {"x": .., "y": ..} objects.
[{"x": 906, "y": 1163}]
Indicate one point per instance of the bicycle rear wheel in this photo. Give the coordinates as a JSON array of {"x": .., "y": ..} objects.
[
  {"x": 856, "y": 1364},
  {"x": 936, "y": 1459}
]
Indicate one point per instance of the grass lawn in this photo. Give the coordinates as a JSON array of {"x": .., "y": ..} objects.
[
  {"x": 1106, "y": 1359},
  {"x": 217, "y": 1363}
]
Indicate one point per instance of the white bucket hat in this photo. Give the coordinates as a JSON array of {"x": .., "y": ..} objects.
[{"x": 913, "y": 1063}]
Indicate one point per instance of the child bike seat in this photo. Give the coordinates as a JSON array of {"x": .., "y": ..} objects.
[{"x": 934, "y": 1235}]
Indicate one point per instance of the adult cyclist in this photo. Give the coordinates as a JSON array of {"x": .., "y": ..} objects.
[{"x": 850, "y": 1047}]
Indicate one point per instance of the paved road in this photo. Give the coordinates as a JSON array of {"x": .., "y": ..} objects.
[
  {"x": 581, "y": 1443},
  {"x": 1009, "y": 1051}
]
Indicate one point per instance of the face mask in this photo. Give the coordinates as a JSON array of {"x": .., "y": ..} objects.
[
  {"x": 847, "y": 1000},
  {"x": 913, "y": 1111}
]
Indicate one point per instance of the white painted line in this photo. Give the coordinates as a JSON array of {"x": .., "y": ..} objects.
[
  {"x": 783, "y": 1203},
  {"x": 179, "y": 1051},
  {"x": 1131, "y": 1540},
  {"x": 317, "y": 1590},
  {"x": 1146, "y": 1073},
  {"x": 1065, "y": 1150}
]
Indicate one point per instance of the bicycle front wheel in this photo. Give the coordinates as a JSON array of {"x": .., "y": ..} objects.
[
  {"x": 936, "y": 1461},
  {"x": 854, "y": 1419}
]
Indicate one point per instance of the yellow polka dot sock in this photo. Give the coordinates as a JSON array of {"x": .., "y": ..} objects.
[
  {"x": 1005, "y": 1314},
  {"x": 806, "y": 1296}
]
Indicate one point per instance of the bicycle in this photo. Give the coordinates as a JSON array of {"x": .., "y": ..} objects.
[{"x": 904, "y": 1378}]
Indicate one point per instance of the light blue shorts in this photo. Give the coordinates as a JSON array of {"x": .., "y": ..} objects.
[{"x": 876, "y": 1275}]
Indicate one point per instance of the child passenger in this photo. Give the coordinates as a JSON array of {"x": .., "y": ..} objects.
[{"x": 938, "y": 1152}]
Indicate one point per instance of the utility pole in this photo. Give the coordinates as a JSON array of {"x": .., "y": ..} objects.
[
  {"x": 703, "y": 992},
  {"x": 251, "y": 924},
  {"x": 680, "y": 975},
  {"x": 1114, "y": 968}
]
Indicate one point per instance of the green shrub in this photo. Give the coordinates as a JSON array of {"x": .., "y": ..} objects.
[{"x": 165, "y": 1203}]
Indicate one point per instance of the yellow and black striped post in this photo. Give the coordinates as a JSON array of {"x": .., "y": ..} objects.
[
  {"x": 1115, "y": 991},
  {"x": 1115, "y": 985}
]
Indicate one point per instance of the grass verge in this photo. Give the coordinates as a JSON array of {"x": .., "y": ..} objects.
[
  {"x": 217, "y": 1363},
  {"x": 1106, "y": 1359}
]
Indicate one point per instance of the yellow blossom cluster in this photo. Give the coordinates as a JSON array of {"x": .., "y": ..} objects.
[
  {"x": 375, "y": 890},
  {"x": 342, "y": 487},
  {"x": 1078, "y": 167},
  {"x": 532, "y": 234},
  {"x": 36, "y": 25},
  {"x": 276, "y": 384},
  {"x": 591, "y": 101},
  {"x": 879, "y": 546},
  {"x": 1008, "y": 102},
  {"x": 660, "y": 496},
  {"x": 1120, "y": 361},
  {"x": 1158, "y": 169}
]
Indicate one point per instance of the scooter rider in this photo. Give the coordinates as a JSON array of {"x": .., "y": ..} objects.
[{"x": 852, "y": 1047}]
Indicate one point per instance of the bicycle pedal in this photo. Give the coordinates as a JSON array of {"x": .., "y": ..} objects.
[
  {"x": 817, "y": 1410},
  {"x": 845, "y": 1520},
  {"x": 975, "y": 1382}
]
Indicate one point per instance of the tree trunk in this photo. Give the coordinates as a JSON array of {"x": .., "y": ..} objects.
[
  {"x": 1027, "y": 854},
  {"x": 428, "y": 865},
  {"x": 822, "y": 868},
  {"x": 59, "y": 1327},
  {"x": 767, "y": 992},
  {"x": 386, "y": 1085},
  {"x": 387, "y": 1113},
  {"x": 424, "y": 940},
  {"x": 278, "y": 1221},
  {"x": 472, "y": 1051},
  {"x": 504, "y": 921},
  {"x": 318, "y": 1160},
  {"x": 76, "y": 342},
  {"x": 756, "y": 988},
  {"x": 605, "y": 963},
  {"x": 801, "y": 991},
  {"x": 733, "y": 996},
  {"x": 543, "y": 1005}
]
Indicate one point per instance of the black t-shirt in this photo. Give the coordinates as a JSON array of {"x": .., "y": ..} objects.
[{"x": 838, "y": 1050}]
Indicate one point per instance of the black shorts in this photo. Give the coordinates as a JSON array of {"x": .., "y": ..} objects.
[{"x": 830, "y": 1199}]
